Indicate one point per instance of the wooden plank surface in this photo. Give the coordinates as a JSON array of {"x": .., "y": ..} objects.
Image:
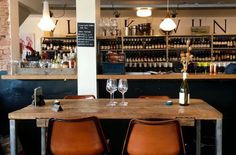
[
  {"x": 40, "y": 77},
  {"x": 171, "y": 76},
  {"x": 137, "y": 108}
]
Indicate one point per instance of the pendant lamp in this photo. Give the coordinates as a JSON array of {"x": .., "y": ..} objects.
[
  {"x": 46, "y": 23},
  {"x": 167, "y": 24},
  {"x": 144, "y": 12}
]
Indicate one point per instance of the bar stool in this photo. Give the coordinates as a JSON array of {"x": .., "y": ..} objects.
[
  {"x": 76, "y": 136},
  {"x": 154, "y": 138},
  {"x": 156, "y": 97},
  {"x": 79, "y": 97}
]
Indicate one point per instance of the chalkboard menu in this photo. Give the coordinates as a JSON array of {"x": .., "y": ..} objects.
[{"x": 85, "y": 36}]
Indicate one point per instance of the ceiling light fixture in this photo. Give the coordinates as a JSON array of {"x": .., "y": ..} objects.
[
  {"x": 46, "y": 23},
  {"x": 144, "y": 12},
  {"x": 167, "y": 24}
]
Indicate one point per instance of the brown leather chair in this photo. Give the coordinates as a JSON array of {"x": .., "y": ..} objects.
[
  {"x": 82, "y": 136},
  {"x": 156, "y": 97},
  {"x": 162, "y": 137},
  {"x": 79, "y": 97}
]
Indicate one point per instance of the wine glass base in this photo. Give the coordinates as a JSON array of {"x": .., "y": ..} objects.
[
  {"x": 123, "y": 103},
  {"x": 112, "y": 103}
]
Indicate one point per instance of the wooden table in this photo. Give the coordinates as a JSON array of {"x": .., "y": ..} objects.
[{"x": 193, "y": 114}]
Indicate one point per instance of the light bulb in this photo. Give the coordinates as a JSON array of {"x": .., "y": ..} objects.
[
  {"x": 46, "y": 23},
  {"x": 167, "y": 24},
  {"x": 144, "y": 12}
]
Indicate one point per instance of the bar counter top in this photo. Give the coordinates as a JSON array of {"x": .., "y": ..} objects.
[
  {"x": 39, "y": 77},
  {"x": 171, "y": 76}
]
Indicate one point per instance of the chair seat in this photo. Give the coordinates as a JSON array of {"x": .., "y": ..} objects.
[
  {"x": 154, "y": 138},
  {"x": 76, "y": 136}
]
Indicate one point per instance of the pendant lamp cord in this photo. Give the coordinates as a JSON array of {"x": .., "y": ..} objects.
[{"x": 167, "y": 6}]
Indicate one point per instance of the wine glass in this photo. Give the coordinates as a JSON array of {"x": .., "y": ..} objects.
[
  {"x": 111, "y": 87},
  {"x": 122, "y": 88}
]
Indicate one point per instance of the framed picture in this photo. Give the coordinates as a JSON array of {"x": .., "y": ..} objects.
[{"x": 27, "y": 45}]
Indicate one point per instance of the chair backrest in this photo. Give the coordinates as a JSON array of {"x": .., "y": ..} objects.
[
  {"x": 76, "y": 136},
  {"x": 79, "y": 97},
  {"x": 154, "y": 138},
  {"x": 156, "y": 97}
]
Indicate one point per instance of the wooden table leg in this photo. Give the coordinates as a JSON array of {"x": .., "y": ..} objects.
[
  {"x": 43, "y": 140},
  {"x": 219, "y": 137},
  {"x": 198, "y": 137}
]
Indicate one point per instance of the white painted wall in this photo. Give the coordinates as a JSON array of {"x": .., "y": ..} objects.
[{"x": 30, "y": 25}]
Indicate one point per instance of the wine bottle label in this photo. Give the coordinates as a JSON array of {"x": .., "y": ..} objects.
[{"x": 182, "y": 98}]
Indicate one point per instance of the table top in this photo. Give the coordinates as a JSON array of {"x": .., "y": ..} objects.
[{"x": 137, "y": 108}]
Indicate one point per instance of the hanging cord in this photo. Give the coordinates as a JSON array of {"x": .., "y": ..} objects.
[
  {"x": 167, "y": 6},
  {"x": 115, "y": 12}
]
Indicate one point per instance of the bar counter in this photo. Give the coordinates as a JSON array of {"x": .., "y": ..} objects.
[{"x": 171, "y": 76}]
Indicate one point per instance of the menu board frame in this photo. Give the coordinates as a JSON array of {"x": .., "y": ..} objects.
[{"x": 85, "y": 34}]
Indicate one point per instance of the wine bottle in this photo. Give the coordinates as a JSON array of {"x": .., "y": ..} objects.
[{"x": 184, "y": 93}]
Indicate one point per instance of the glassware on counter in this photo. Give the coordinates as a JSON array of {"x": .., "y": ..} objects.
[
  {"x": 122, "y": 88},
  {"x": 111, "y": 87}
]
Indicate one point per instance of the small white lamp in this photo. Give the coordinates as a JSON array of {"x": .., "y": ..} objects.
[
  {"x": 46, "y": 23},
  {"x": 144, "y": 12},
  {"x": 167, "y": 24}
]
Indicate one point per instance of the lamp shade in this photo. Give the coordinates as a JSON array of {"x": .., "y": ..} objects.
[
  {"x": 46, "y": 23},
  {"x": 167, "y": 24},
  {"x": 144, "y": 12}
]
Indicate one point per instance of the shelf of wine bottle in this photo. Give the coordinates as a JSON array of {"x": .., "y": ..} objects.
[
  {"x": 149, "y": 66},
  {"x": 144, "y": 43},
  {"x": 145, "y": 56},
  {"x": 162, "y": 53},
  {"x": 143, "y": 61},
  {"x": 110, "y": 44},
  {"x": 224, "y": 41},
  {"x": 64, "y": 44},
  {"x": 224, "y": 55},
  {"x": 195, "y": 42},
  {"x": 201, "y": 55}
]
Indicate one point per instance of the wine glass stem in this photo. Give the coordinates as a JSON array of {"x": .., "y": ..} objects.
[
  {"x": 123, "y": 97},
  {"x": 111, "y": 96}
]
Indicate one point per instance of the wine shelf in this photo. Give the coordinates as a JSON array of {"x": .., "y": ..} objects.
[{"x": 145, "y": 53}]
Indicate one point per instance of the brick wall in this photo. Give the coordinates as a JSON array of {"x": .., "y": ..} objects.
[{"x": 4, "y": 35}]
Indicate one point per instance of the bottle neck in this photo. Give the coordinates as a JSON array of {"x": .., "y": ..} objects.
[{"x": 184, "y": 75}]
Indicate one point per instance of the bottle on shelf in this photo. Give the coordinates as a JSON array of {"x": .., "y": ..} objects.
[{"x": 184, "y": 92}]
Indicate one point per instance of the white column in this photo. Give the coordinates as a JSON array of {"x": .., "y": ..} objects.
[
  {"x": 86, "y": 12},
  {"x": 14, "y": 29}
]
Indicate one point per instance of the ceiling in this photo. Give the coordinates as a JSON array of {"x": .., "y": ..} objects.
[
  {"x": 128, "y": 4},
  {"x": 27, "y": 7}
]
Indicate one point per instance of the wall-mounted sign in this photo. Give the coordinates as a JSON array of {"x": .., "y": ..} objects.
[
  {"x": 85, "y": 35},
  {"x": 200, "y": 30}
]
